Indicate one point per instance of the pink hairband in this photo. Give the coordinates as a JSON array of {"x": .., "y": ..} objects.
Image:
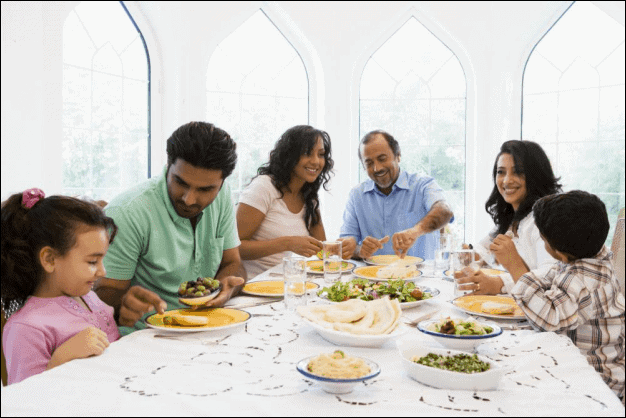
[{"x": 32, "y": 196}]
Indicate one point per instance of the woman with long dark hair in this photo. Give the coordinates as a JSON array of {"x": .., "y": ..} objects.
[
  {"x": 522, "y": 174},
  {"x": 279, "y": 210}
]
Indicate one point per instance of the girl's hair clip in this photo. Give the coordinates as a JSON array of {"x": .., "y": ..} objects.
[{"x": 32, "y": 196}]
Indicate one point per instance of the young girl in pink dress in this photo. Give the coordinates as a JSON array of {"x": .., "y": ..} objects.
[{"x": 52, "y": 251}]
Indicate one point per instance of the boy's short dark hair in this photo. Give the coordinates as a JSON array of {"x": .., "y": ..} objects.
[{"x": 575, "y": 222}]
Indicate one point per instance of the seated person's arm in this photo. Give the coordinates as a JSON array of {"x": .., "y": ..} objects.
[
  {"x": 505, "y": 252},
  {"x": 249, "y": 220},
  {"x": 552, "y": 302},
  {"x": 129, "y": 303},
  {"x": 437, "y": 217},
  {"x": 232, "y": 275}
]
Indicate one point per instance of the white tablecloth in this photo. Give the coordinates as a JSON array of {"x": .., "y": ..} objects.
[{"x": 251, "y": 371}]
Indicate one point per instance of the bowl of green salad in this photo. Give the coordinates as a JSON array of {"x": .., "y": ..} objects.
[
  {"x": 459, "y": 334},
  {"x": 408, "y": 293},
  {"x": 449, "y": 369}
]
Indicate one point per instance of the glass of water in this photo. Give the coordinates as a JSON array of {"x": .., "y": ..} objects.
[
  {"x": 294, "y": 271},
  {"x": 462, "y": 264},
  {"x": 332, "y": 261},
  {"x": 442, "y": 254}
]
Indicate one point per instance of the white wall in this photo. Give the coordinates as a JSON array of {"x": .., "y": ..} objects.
[{"x": 335, "y": 39}]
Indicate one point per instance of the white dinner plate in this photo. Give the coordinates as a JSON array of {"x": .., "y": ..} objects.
[{"x": 369, "y": 273}]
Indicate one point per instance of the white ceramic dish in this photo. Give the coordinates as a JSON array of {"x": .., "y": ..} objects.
[
  {"x": 337, "y": 386},
  {"x": 446, "y": 379},
  {"x": 459, "y": 342},
  {"x": 199, "y": 301},
  {"x": 384, "y": 260},
  {"x": 354, "y": 340}
]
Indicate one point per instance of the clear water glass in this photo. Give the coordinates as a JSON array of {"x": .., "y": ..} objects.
[
  {"x": 294, "y": 271},
  {"x": 442, "y": 255},
  {"x": 332, "y": 261},
  {"x": 462, "y": 261}
]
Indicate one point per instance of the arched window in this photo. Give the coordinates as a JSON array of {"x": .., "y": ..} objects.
[
  {"x": 106, "y": 96},
  {"x": 413, "y": 87},
  {"x": 573, "y": 103},
  {"x": 257, "y": 88}
]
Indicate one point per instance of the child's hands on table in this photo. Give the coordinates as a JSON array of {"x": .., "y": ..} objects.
[{"x": 88, "y": 342}]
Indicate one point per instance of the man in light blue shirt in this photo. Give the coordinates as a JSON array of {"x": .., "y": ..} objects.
[{"x": 406, "y": 207}]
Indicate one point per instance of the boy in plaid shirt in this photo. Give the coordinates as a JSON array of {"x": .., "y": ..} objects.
[{"x": 579, "y": 295}]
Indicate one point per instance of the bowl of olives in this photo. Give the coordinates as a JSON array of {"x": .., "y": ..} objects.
[{"x": 199, "y": 291}]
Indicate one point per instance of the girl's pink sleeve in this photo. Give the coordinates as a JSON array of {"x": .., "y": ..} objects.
[{"x": 26, "y": 350}]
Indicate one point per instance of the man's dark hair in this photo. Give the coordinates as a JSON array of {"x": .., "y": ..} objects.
[
  {"x": 393, "y": 144},
  {"x": 203, "y": 145},
  {"x": 574, "y": 223}
]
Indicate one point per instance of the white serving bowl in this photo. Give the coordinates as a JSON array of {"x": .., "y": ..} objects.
[
  {"x": 337, "y": 386},
  {"x": 354, "y": 340},
  {"x": 459, "y": 342},
  {"x": 446, "y": 379}
]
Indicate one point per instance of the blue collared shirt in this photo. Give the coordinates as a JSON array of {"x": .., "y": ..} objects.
[{"x": 370, "y": 213}]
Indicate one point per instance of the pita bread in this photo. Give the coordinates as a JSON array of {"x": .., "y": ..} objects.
[
  {"x": 186, "y": 320},
  {"x": 346, "y": 312},
  {"x": 495, "y": 308},
  {"x": 356, "y": 316}
]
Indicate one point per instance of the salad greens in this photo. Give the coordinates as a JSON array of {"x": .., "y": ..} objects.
[
  {"x": 459, "y": 327},
  {"x": 464, "y": 363},
  {"x": 366, "y": 290}
]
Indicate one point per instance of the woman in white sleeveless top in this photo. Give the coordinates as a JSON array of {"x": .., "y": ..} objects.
[
  {"x": 279, "y": 211},
  {"x": 521, "y": 174}
]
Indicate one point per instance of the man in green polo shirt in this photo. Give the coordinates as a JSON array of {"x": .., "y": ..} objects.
[{"x": 174, "y": 228}]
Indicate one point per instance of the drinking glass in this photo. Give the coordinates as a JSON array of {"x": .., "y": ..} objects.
[
  {"x": 460, "y": 261},
  {"x": 442, "y": 255},
  {"x": 332, "y": 261},
  {"x": 294, "y": 270}
]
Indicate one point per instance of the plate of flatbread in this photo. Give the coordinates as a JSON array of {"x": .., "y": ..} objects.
[
  {"x": 188, "y": 320},
  {"x": 385, "y": 273},
  {"x": 496, "y": 307},
  {"x": 271, "y": 288},
  {"x": 355, "y": 322},
  {"x": 317, "y": 266},
  {"x": 385, "y": 259}
]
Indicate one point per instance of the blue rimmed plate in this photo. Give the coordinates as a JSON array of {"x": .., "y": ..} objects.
[{"x": 459, "y": 342}]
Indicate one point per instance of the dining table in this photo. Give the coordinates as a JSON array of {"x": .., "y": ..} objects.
[{"x": 250, "y": 370}]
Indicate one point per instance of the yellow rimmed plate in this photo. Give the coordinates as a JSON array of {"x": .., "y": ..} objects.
[
  {"x": 472, "y": 305},
  {"x": 383, "y": 260},
  {"x": 370, "y": 273},
  {"x": 488, "y": 272},
  {"x": 219, "y": 319},
  {"x": 271, "y": 288},
  {"x": 317, "y": 266}
]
